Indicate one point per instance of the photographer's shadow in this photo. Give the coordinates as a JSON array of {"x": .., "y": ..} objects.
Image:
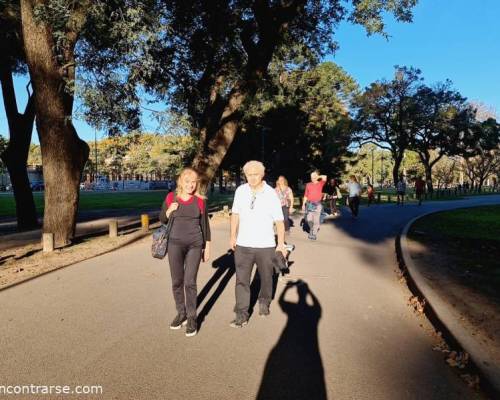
[{"x": 294, "y": 369}]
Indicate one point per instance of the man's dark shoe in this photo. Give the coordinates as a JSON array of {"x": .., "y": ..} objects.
[
  {"x": 263, "y": 310},
  {"x": 239, "y": 322},
  {"x": 179, "y": 321},
  {"x": 191, "y": 327}
]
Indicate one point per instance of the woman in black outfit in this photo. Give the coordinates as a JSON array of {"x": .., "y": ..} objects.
[{"x": 188, "y": 244}]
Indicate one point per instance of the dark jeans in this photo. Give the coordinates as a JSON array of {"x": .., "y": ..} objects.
[
  {"x": 244, "y": 259},
  {"x": 184, "y": 260},
  {"x": 286, "y": 217},
  {"x": 354, "y": 205}
]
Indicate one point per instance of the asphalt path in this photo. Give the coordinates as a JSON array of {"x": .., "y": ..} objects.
[{"x": 344, "y": 332}]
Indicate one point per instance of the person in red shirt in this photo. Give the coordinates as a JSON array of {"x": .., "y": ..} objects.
[
  {"x": 312, "y": 202},
  {"x": 419, "y": 189}
]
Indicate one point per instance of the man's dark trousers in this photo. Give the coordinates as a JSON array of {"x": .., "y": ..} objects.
[{"x": 245, "y": 258}]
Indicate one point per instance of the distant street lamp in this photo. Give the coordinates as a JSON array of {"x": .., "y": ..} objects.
[
  {"x": 373, "y": 176},
  {"x": 95, "y": 146},
  {"x": 381, "y": 170}
]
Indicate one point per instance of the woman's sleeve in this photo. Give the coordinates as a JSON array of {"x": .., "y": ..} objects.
[
  {"x": 208, "y": 235},
  {"x": 163, "y": 213},
  {"x": 166, "y": 203}
]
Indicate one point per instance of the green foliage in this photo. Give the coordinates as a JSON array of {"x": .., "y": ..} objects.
[
  {"x": 439, "y": 121},
  {"x": 141, "y": 154},
  {"x": 11, "y": 44},
  {"x": 360, "y": 164},
  {"x": 184, "y": 51},
  {"x": 34, "y": 156},
  {"x": 298, "y": 121},
  {"x": 384, "y": 112}
]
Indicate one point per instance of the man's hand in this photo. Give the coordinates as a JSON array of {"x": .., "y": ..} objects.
[
  {"x": 282, "y": 249},
  {"x": 232, "y": 243},
  {"x": 235, "y": 222}
]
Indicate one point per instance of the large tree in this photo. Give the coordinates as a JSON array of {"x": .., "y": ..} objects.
[
  {"x": 439, "y": 121},
  {"x": 384, "y": 114},
  {"x": 20, "y": 124},
  {"x": 209, "y": 59},
  {"x": 51, "y": 30},
  {"x": 482, "y": 153}
]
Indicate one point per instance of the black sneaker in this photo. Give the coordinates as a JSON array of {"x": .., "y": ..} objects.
[
  {"x": 179, "y": 320},
  {"x": 263, "y": 310},
  {"x": 191, "y": 327},
  {"x": 239, "y": 322}
]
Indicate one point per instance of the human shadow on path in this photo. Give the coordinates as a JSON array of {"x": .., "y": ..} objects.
[
  {"x": 224, "y": 271},
  {"x": 294, "y": 369},
  {"x": 255, "y": 289}
]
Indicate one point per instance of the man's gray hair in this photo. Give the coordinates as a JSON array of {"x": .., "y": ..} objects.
[{"x": 256, "y": 165}]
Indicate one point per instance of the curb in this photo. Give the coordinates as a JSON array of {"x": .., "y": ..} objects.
[{"x": 440, "y": 314}]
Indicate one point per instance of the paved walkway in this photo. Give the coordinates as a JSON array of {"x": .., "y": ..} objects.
[{"x": 105, "y": 322}]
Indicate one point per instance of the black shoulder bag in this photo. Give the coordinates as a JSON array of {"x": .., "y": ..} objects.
[{"x": 160, "y": 238}]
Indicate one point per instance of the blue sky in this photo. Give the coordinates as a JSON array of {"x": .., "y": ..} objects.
[{"x": 448, "y": 39}]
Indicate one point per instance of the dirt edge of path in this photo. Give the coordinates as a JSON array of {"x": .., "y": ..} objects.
[{"x": 425, "y": 301}]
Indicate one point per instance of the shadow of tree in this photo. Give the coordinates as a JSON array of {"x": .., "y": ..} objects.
[{"x": 294, "y": 369}]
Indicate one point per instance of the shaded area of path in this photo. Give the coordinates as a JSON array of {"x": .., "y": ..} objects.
[{"x": 105, "y": 321}]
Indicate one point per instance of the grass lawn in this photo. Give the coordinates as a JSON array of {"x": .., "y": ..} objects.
[
  {"x": 469, "y": 242},
  {"x": 467, "y": 223},
  {"x": 110, "y": 200}
]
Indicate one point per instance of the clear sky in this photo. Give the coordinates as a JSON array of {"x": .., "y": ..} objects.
[{"x": 448, "y": 39}]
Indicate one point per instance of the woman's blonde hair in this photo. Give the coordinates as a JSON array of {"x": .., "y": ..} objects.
[
  {"x": 285, "y": 181},
  {"x": 184, "y": 172}
]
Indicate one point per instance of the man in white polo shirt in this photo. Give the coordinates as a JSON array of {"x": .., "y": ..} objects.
[{"x": 256, "y": 208}]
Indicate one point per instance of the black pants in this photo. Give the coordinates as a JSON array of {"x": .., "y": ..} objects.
[
  {"x": 354, "y": 205},
  {"x": 286, "y": 217},
  {"x": 244, "y": 259},
  {"x": 184, "y": 260}
]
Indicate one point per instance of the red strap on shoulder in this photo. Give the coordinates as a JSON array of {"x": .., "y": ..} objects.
[
  {"x": 169, "y": 199},
  {"x": 201, "y": 204}
]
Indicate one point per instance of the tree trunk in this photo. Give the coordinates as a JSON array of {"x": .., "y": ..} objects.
[
  {"x": 398, "y": 159},
  {"x": 15, "y": 155},
  {"x": 428, "y": 177},
  {"x": 63, "y": 153},
  {"x": 219, "y": 140}
]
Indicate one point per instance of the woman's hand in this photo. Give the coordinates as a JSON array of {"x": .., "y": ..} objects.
[
  {"x": 171, "y": 209},
  {"x": 206, "y": 252}
]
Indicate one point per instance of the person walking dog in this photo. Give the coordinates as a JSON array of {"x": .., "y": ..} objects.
[
  {"x": 312, "y": 202},
  {"x": 188, "y": 244},
  {"x": 256, "y": 209}
]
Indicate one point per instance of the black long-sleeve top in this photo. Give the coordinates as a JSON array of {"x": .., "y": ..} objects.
[{"x": 204, "y": 219}]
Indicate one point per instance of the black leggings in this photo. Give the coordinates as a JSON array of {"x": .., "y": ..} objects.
[{"x": 184, "y": 260}]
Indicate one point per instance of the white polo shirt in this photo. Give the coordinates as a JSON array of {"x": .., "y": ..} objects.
[{"x": 256, "y": 226}]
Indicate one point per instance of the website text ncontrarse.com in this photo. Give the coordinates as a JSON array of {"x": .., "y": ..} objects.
[{"x": 49, "y": 389}]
